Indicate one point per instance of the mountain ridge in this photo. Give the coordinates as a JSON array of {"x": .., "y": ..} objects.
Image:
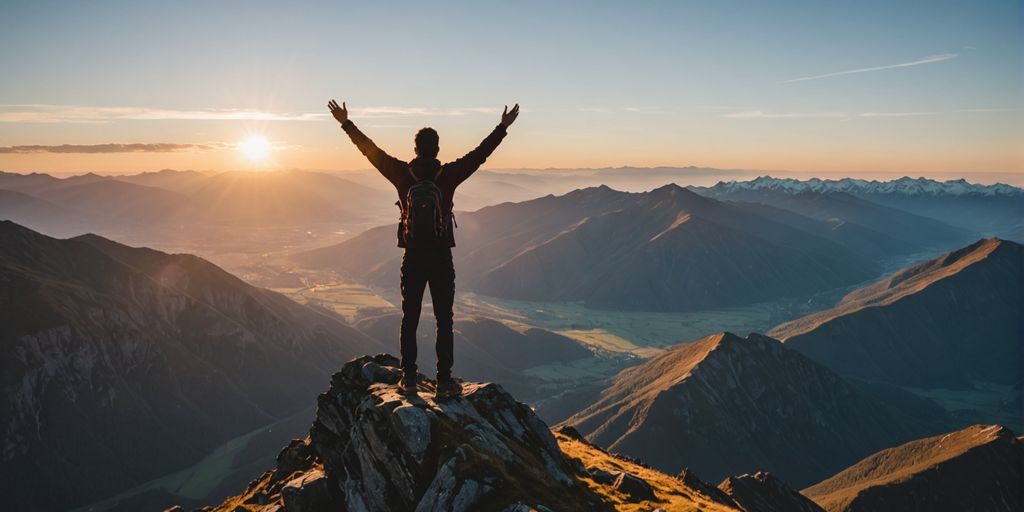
[
  {"x": 139, "y": 369},
  {"x": 706, "y": 403}
]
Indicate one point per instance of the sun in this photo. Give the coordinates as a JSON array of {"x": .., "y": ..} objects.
[{"x": 255, "y": 148}]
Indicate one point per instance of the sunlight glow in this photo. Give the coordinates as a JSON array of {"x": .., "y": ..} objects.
[{"x": 255, "y": 148}]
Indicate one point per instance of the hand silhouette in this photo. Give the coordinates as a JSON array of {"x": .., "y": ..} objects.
[
  {"x": 509, "y": 116},
  {"x": 339, "y": 113}
]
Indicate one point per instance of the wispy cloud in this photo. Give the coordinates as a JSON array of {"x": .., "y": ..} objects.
[
  {"x": 927, "y": 60},
  {"x": 158, "y": 147},
  {"x": 896, "y": 114},
  {"x": 43, "y": 113},
  {"x": 610, "y": 110},
  {"x": 758, "y": 114}
]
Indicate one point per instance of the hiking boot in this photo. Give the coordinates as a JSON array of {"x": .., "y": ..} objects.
[
  {"x": 407, "y": 384},
  {"x": 447, "y": 387}
]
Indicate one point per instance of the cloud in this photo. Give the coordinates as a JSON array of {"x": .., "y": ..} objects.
[
  {"x": 895, "y": 114},
  {"x": 927, "y": 60},
  {"x": 757, "y": 114},
  {"x": 43, "y": 113},
  {"x": 109, "y": 148},
  {"x": 610, "y": 110}
]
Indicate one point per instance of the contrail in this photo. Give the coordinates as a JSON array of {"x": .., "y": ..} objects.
[{"x": 927, "y": 60}]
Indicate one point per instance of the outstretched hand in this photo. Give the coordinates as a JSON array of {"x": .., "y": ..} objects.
[
  {"x": 509, "y": 116},
  {"x": 339, "y": 113}
]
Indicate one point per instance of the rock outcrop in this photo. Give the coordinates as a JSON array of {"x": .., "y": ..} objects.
[
  {"x": 373, "y": 449},
  {"x": 376, "y": 450},
  {"x": 762, "y": 492}
]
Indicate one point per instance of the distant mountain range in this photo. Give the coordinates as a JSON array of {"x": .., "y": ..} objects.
[
  {"x": 133, "y": 363},
  {"x": 902, "y": 186},
  {"x": 154, "y": 200},
  {"x": 978, "y": 468},
  {"x": 988, "y": 210},
  {"x": 725, "y": 405},
  {"x": 953, "y": 323},
  {"x": 665, "y": 250}
]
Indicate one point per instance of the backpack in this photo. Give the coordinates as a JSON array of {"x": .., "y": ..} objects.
[{"x": 423, "y": 220}]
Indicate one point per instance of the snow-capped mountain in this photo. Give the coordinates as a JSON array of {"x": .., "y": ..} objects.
[
  {"x": 985, "y": 210},
  {"x": 904, "y": 186}
]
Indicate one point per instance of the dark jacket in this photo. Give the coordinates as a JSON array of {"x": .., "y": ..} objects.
[{"x": 452, "y": 174}]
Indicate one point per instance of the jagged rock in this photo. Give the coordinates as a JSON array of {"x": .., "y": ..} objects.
[
  {"x": 311, "y": 492},
  {"x": 298, "y": 454},
  {"x": 601, "y": 476},
  {"x": 694, "y": 482},
  {"x": 374, "y": 449},
  {"x": 762, "y": 492},
  {"x": 571, "y": 432},
  {"x": 633, "y": 486}
]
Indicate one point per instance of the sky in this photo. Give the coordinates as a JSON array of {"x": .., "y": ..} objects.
[{"x": 931, "y": 88}]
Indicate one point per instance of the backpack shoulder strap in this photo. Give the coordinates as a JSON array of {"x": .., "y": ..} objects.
[{"x": 417, "y": 180}]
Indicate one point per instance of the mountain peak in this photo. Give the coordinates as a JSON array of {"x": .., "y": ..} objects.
[
  {"x": 696, "y": 402},
  {"x": 372, "y": 448},
  {"x": 977, "y": 468}
]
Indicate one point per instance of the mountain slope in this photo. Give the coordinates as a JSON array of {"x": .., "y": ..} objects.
[
  {"x": 897, "y": 231},
  {"x": 665, "y": 250},
  {"x": 40, "y": 214},
  {"x": 946, "y": 323},
  {"x": 134, "y": 362},
  {"x": 725, "y": 405},
  {"x": 977, "y": 468}
]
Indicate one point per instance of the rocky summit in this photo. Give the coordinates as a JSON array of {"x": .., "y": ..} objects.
[{"x": 374, "y": 449}]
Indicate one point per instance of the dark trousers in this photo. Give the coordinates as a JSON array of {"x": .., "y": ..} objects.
[{"x": 422, "y": 267}]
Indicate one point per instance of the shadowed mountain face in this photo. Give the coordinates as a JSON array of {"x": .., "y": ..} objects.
[
  {"x": 665, "y": 250},
  {"x": 725, "y": 405},
  {"x": 948, "y": 323},
  {"x": 132, "y": 363},
  {"x": 868, "y": 226},
  {"x": 977, "y": 468}
]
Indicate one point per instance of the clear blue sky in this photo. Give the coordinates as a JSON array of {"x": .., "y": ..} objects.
[{"x": 803, "y": 85}]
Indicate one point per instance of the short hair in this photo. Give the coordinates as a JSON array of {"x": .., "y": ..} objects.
[{"x": 427, "y": 143}]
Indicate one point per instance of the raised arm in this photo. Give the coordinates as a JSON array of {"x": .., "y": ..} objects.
[
  {"x": 465, "y": 167},
  {"x": 388, "y": 165}
]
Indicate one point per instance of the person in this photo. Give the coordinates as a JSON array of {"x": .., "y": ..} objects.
[{"x": 427, "y": 261}]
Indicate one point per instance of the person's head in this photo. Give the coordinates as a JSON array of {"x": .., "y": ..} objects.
[{"x": 427, "y": 143}]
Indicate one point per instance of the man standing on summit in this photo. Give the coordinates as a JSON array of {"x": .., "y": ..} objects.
[{"x": 426, "y": 232}]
